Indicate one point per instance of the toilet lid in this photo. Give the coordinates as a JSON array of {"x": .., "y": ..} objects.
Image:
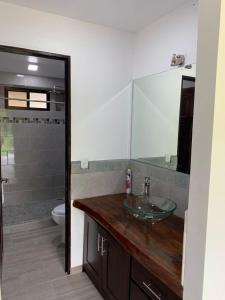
[{"x": 59, "y": 210}]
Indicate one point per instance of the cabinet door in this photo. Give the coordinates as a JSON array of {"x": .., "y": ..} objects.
[
  {"x": 153, "y": 288},
  {"x": 116, "y": 269},
  {"x": 136, "y": 293},
  {"x": 92, "y": 257}
]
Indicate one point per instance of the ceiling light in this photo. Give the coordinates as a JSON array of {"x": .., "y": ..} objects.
[
  {"x": 33, "y": 59},
  {"x": 32, "y": 67},
  {"x": 20, "y": 75}
]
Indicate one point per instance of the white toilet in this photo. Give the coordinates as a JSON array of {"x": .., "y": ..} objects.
[{"x": 58, "y": 215}]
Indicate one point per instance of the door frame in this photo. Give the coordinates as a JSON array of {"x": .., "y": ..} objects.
[
  {"x": 192, "y": 79},
  {"x": 67, "y": 61}
]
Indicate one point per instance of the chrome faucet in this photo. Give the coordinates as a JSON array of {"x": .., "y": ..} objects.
[{"x": 147, "y": 186}]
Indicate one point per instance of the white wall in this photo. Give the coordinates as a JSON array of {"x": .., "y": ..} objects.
[
  {"x": 101, "y": 74},
  {"x": 173, "y": 33},
  {"x": 205, "y": 249},
  {"x": 101, "y": 67}
]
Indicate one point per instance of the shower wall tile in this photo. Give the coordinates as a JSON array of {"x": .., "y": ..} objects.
[
  {"x": 60, "y": 192},
  {"x": 34, "y": 163},
  {"x": 10, "y": 158},
  {"x": 46, "y": 168},
  {"x": 36, "y": 182},
  {"x": 33, "y": 145},
  {"x": 32, "y": 196},
  {"x": 17, "y": 171},
  {"x": 42, "y": 194},
  {"x": 17, "y": 198},
  {"x": 59, "y": 180},
  {"x": 19, "y": 184},
  {"x": 4, "y": 158},
  {"x": 47, "y": 141}
]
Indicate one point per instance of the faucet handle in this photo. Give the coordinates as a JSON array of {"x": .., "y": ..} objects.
[{"x": 147, "y": 187}]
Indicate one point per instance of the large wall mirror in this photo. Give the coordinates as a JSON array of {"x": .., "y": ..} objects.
[{"x": 162, "y": 119}]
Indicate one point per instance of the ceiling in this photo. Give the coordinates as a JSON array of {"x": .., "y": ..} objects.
[
  {"x": 128, "y": 15},
  {"x": 15, "y": 63}
]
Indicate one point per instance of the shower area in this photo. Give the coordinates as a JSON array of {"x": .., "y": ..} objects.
[{"x": 32, "y": 121}]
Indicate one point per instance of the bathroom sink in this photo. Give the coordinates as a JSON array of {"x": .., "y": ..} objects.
[{"x": 149, "y": 208}]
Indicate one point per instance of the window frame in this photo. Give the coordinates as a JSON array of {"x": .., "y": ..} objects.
[{"x": 27, "y": 91}]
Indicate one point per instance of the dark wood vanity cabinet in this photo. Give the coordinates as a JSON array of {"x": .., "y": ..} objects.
[
  {"x": 106, "y": 263},
  {"x": 114, "y": 272},
  {"x": 116, "y": 269},
  {"x": 136, "y": 293},
  {"x": 147, "y": 285},
  {"x": 92, "y": 256}
]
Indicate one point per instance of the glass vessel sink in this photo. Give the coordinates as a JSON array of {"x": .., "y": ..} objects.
[{"x": 149, "y": 208}]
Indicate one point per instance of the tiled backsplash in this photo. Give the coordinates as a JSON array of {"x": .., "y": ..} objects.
[
  {"x": 164, "y": 183},
  {"x": 108, "y": 177},
  {"x": 100, "y": 166},
  {"x": 101, "y": 178}
]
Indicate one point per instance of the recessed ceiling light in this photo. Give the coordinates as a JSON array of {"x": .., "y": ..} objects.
[
  {"x": 32, "y": 67},
  {"x": 20, "y": 75},
  {"x": 33, "y": 59}
]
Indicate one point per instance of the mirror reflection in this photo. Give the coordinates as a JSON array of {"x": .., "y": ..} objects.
[{"x": 162, "y": 118}]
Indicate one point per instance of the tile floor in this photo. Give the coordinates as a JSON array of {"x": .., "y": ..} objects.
[{"x": 33, "y": 266}]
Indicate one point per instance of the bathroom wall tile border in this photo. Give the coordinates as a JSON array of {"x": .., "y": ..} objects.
[
  {"x": 21, "y": 120},
  {"x": 100, "y": 166}
]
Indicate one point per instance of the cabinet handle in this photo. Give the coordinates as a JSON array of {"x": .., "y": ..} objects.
[
  {"x": 102, "y": 247},
  {"x": 99, "y": 241},
  {"x": 148, "y": 286}
]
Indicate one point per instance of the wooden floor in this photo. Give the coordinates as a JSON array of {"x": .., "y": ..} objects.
[{"x": 33, "y": 266}]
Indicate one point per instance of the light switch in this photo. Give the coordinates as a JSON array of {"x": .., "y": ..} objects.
[{"x": 84, "y": 164}]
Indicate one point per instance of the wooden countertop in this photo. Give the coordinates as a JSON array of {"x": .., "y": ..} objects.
[{"x": 158, "y": 247}]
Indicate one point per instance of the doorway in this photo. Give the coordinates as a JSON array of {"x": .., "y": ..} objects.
[{"x": 35, "y": 143}]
